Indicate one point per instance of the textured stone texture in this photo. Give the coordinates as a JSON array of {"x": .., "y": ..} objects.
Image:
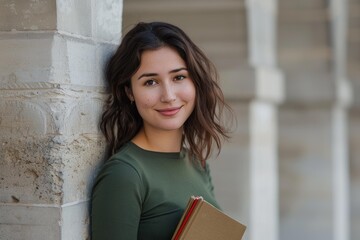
[
  {"x": 108, "y": 19},
  {"x": 53, "y": 140},
  {"x": 20, "y": 222},
  {"x": 52, "y": 92},
  {"x": 100, "y": 20},
  {"x": 68, "y": 60},
  {"x": 24, "y": 58},
  {"x": 27, "y": 15},
  {"x": 76, "y": 221}
]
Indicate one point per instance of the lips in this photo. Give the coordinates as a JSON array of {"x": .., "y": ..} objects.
[{"x": 169, "y": 111}]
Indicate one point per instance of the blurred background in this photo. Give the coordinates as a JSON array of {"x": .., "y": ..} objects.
[{"x": 290, "y": 69}]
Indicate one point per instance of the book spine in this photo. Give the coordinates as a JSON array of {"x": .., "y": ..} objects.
[{"x": 191, "y": 220}]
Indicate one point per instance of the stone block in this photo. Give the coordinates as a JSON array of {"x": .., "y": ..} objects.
[
  {"x": 99, "y": 20},
  {"x": 75, "y": 221},
  {"x": 83, "y": 117},
  {"x": 51, "y": 58},
  {"x": 45, "y": 222},
  {"x": 40, "y": 222},
  {"x": 22, "y": 119},
  {"x": 25, "y": 58},
  {"x": 43, "y": 137},
  {"x": 107, "y": 20},
  {"x": 75, "y": 17},
  {"x": 59, "y": 59},
  {"x": 49, "y": 173},
  {"x": 27, "y": 15},
  {"x": 30, "y": 171},
  {"x": 103, "y": 52},
  {"x": 81, "y": 157},
  {"x": 49, "y": 170},
  {"x": 86, "y": 61},
  {"x": 82, "y": 63}
]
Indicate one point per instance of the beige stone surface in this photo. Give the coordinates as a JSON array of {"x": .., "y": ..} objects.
[
  {"x": 354, "y": 143},
  {"x": 20, "y": 15},
  {"x": 305, "y": 173},
  {"x": 19, "y": 221},
  {"x": 52, "y": 93},
  {"x": 230, "y": 170}
]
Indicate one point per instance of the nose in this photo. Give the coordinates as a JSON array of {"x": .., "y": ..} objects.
[{"x": 168, "y": 93}]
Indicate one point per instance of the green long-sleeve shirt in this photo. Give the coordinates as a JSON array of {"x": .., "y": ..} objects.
[{"x": 142, "y": 194}]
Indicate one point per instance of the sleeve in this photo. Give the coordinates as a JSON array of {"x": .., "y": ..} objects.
[
  {"x": 211, "y": 186},
  {"x": 116, "y": 203},
  {"x": 208, "y": 174}
]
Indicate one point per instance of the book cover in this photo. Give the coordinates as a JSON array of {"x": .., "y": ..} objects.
[{"x": 202, "y": 221}]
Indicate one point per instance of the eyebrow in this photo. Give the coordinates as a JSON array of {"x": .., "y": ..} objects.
[{"x": 155, "y": 74}]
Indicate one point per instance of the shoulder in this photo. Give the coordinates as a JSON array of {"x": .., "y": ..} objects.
[
  {"x": 121, "y": 167},
  {"x": 127, "y": 157}
]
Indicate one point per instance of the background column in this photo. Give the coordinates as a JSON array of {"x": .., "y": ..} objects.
[
  {"x": 264, "y": 209},
  {"x": 340, "y": 146},
  {"x": 353, "y": 70}
]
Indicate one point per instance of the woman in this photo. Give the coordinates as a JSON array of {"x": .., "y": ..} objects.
[{"x": 161, "y": 120}]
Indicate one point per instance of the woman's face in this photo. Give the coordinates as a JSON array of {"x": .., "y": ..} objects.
[{"x": 163, "y": 91}]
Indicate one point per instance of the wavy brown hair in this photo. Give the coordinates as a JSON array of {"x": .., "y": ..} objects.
[{"x": 121, "y": 120}]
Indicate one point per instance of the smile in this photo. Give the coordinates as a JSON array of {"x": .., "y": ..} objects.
[{"x": 169, "y": 111}]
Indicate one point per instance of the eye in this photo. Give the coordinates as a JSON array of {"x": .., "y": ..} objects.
[
  {"x": 180, "y": 77},
  {"x": 150, "y": 82}
]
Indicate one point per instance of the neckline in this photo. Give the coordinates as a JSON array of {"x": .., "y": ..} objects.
[{"x": 172, "y": 155}]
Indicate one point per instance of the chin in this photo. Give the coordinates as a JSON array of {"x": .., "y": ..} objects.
[{"x": 171, "y": 127}]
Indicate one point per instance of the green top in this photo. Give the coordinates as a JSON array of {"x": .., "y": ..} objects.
[{"x": 141, "y": 194}]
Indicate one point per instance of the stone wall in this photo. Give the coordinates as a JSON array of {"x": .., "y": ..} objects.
[{"x": 51, "y": 90}]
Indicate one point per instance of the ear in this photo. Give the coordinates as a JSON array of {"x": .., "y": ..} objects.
[{"x": 129, "y": 94}]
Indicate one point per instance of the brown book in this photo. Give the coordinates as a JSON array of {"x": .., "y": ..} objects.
[{"x": 202, "y": 221}]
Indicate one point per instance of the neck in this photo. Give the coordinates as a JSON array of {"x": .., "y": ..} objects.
[{"x": 159, "y": 141}]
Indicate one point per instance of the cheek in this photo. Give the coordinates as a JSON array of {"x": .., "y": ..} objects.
[
  {"x": 145, "y": 100},
  {"x": 189, "y": 93}
]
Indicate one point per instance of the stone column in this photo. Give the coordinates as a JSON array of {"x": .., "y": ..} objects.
[
  {"x": 353, "y": 63},
  {"x": 262, "y": 28},
  {"x": 51, "y": 91},
  {"x": 340, "y": 143}
]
